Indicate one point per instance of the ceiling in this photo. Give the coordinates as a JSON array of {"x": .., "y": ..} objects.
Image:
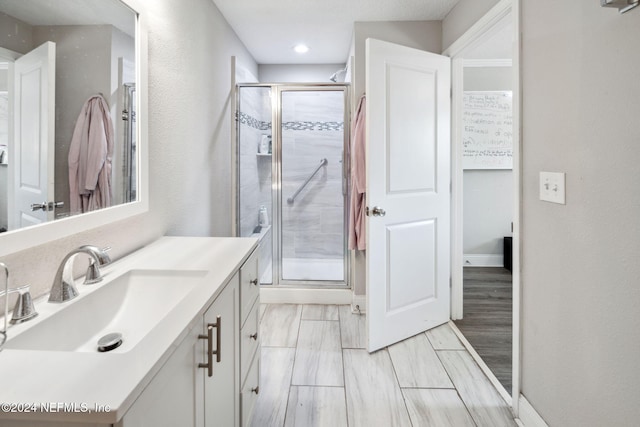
[
  {"x": 270, "y": 28},
  {"x": 71, "y": 12}
]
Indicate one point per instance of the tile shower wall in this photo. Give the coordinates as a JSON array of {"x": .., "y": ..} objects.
[
  {"x": 313, "y": 125},
  {"x": 255, "y": 171}
]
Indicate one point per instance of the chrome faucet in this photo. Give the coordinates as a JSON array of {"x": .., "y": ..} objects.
[
  {"x": 63, "y": 288},
  {"x": 3, "y": 337}
]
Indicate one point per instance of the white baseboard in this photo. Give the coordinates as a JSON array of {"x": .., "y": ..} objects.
[
  {"x": 483, "y": 260},
  {"x": 527, "y": 414},
  {"x": 277, "y": 295},
  {"x": 359, "y": 303}
]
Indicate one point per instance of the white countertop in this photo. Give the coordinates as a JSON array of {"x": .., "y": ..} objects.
[{"x": 115, "y": 380}]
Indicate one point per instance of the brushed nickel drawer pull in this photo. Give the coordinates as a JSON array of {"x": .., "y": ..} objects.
[
  {"x": 210, "y": 350},
  {"x": 209, "y": 338}
]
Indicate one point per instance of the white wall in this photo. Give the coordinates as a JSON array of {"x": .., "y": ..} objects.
[
  {"x": 189, "y": 140},
  {"x": 298, "y": 73},
  {"x": 15, "y": 34},
  {"x": 580, "y": 295},
  {"x": 461, "y": 17},
  {"x": 488, "y": 193},
  {"x": 581, "y": 320}
]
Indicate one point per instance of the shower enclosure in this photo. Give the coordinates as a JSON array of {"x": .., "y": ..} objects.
[{"x": 292, "y": 180}]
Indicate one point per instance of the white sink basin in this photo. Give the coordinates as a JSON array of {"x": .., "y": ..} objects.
[{"x": 131, "y": 304}]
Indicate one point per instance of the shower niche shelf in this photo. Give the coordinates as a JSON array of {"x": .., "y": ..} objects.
[{"x": 263, "y": 154}]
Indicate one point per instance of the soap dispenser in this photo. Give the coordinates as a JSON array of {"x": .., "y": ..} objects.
[{"x": 263, "y": 216}]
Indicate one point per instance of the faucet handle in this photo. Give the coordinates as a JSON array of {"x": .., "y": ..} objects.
[
  {"x": 24, "y": 309},
  {"x": 93, "y": 273}
]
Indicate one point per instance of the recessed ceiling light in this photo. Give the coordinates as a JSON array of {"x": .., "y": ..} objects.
[{"x": 301, "y": 48}]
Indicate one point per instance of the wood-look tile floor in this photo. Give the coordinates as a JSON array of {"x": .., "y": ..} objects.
[
  {"x": 315, "y": 371},
  {"x": 488, "y": 318}
]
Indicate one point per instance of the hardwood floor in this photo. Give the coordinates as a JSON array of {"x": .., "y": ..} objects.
[
  {"x": 487, "y": 322},
  {"x": 314, "y": 371}
]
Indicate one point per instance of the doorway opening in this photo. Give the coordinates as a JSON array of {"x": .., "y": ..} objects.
[
  {"x": 292, "y": 181},
  {"x": 486, "y": 176}
]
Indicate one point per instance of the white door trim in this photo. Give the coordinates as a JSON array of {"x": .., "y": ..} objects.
[{"x": 455, "y": 51}]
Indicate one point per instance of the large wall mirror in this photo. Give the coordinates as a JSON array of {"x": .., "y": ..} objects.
[{"x": 72, "y": 117}]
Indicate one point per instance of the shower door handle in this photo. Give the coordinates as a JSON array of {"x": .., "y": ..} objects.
[{"x": 375, "y": 211}]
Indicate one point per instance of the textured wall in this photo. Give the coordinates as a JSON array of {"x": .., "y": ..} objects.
[
  {"x": 298, "y": 73},
  {"x": 189, "y": 140},
  {"x": 581, "y": 331}
]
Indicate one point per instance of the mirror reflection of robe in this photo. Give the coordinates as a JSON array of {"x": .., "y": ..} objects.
[{"x": 90, "y": 155}]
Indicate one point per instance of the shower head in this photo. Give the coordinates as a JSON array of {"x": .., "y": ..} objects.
[{"x": 334, "y": 76}]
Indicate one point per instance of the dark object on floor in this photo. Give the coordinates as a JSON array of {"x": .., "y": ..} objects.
[{"x": 508, "y": 251}]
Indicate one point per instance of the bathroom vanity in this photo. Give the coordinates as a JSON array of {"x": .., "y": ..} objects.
[{"x": 188, "y": 310}]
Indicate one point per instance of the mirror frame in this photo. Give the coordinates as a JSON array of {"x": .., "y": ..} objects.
[{"x": 29, "y": 237}]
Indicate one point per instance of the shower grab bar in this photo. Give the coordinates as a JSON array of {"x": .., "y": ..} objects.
[{"x": 323, "y": 162}]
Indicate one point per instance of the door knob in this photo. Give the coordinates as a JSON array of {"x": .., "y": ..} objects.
[
  {"x": 376, "y": 211},
  {"x": 39, "y": 206},
  {"x": 44, "y": 206}
]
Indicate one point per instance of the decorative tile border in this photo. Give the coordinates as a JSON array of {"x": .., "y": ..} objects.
[
  {"x": 252, "y": 122},
  {"x": 331, "y": 126}
]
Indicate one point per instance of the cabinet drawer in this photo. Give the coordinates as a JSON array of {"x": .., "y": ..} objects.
[
  {"x": 249, "y": 340},
  {"x": 250, "y": 391},
  {"x": 249, "y": 285}
]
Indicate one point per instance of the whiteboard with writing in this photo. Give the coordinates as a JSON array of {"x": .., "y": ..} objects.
[{"x": 487, "y": 130}]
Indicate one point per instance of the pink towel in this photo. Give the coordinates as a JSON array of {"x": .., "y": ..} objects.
[
  {"x": 90, "y": 154},
  {"x": 357, "y": 225}
]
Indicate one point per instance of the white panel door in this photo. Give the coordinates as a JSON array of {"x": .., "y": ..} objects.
[
  {"x": 408, "y": 168},
  {"x": 32, "y": 162}
]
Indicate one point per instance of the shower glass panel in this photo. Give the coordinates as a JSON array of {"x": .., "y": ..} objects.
[
  {"x": 254, "y": 172},
  {"x": 312, "y": 199}
]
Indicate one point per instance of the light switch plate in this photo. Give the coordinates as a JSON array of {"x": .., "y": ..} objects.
[{"x": 552, "y": 187}]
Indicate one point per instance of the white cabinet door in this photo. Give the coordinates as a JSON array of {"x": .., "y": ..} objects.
[
  {"x": 174, "y": 396},
  {"x": 221, "y": 384}
]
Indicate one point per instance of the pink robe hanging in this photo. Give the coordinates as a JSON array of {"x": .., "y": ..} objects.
[
  {"x": 90, "y": 154},
  {"x": 357, "y": 224}
]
